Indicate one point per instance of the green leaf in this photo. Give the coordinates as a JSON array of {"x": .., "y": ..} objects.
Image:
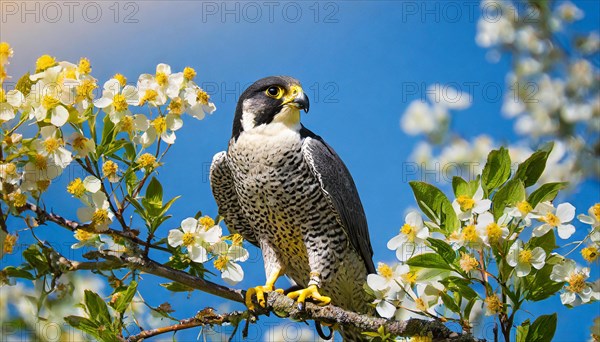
[
  {"x": 14, "y": 272},
  {"x": 522, "y": 331},
  {"x": 84, "y": 324},
  {"x": 461, "y": 286},
  {"x": 546, "y": 192},
  {"x": 108, "y": 133},
  {"x": 115, "y": 146},
  {"x": 532, "y": 168},
  {"x": 168, "y": 205},
  {"x": 176, "y": 287},
  {"x": 125, "y": 297},
  {"x": 429, "y": 260},
  {"x": 496, "y": 170},
  {"x": 460, "y": 186},
  {"x": 154, "y": 192},
  {"x": 546, "y": 241},
  {"x": 435, "y": 205},
  {"x": 443, "y": 249},
  {"x": 542, "y": 329},
  {"x": 131, "y": 181},
  {"x": 541, "y": 287},
  {"x": 509, "y": 194},
  {"x": 36, "y": 259},
  {"x": 449, "y": 302},
  {"x": 97, "y": 308},
  {"x": 24, "y": 84}
]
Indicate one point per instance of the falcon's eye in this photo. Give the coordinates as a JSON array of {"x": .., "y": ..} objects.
[{"x": 274, "y": 92}]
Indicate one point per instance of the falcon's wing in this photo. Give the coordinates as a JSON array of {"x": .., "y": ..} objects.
[
  {"x": 223, "y": 188},
  {"x": 339, "y": 189}
]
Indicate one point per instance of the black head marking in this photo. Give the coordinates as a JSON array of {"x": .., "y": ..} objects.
[{"x": 264, "y": 107}]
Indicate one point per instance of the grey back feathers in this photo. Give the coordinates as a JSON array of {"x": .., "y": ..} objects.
[{"x": 339, "y": 189}]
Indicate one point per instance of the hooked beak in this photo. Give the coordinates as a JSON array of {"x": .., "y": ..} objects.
[
  {"x": 302, "y": 102},
  {"x": 298, "y": 99}
]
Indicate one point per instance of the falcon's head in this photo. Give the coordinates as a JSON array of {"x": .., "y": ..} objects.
[{"x": 274, "y": 99}]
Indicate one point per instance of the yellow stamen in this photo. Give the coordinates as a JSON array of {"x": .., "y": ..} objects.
[
  {"x": 525, "y": 256},
  {"x": 76, "y": 188},
  {"x": 5, "y": 51},
  {"x": 50, "y": 102},
  {"x": 576, "y": 282},
  {"x": 84, "y": 66},
  {"x": 420, "y": 304},
  {"x": 596, "y": 211},
  {"x": 524, "y": 207},
  {"x": 188, "y": 239},
  {"x": 221, "y": 262},
  {"x": 237, "y": 239},
  {"x": 85, "y": 89},
  {"x": 119, "y": 103},
  {"x": 494, "y": 232},
  {"x": 176, "y": 106},
  {"x": 44, "y": 62},
  {"x": 551, "y": 219},
  {"x": 122, "y": 79},
  {"x": 590, "y": 254},
  {"x": 160, "y": 124},
  {"x": 384, "y": 270},
  {"x": 9, "y": 243},
  {"x": 409, "y": 231},
  {"x": 109, "y": 168},
  {"x": 79, "y": 142},
  {"x": 189, "y": 73},
  {"x": 162, "y": 79},
  {"x": 467, "y": 262},
  {"x": 83, "y": 235},
  {"x": 149, "y": 95},
  {"x": 40, "y": 162},
  {"x": 19, "y": 199},
  {"x": 202, "y": 97},
  {"x": 494, "y": 304},
  {"x": 207, "y": 222},
  {"x": 465, "y": 202},
  {"x": 469, "y": 234},
  {"x": 2, "y": 95},
  {"x": 126, "y": 124},
  {"x": 410, "y": 277},
  {"x": 147, "y": 161},
  {"x": 52, "y": 145},
  {"x": 99, "y": 217}
]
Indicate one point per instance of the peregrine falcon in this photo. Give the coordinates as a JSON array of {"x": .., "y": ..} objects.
[{"x": 285, "y": 190}]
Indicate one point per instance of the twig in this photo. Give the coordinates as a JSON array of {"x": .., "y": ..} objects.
[{"x": 204, "y": 317}]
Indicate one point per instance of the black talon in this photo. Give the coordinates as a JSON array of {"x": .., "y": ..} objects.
[
  {"x": 301, "y": 306},
  {"x": 322, "y": 335}
]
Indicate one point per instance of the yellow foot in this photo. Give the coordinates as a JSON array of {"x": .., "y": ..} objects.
[
  {"x": 259, "y": 291},
  {"x": 310, "y": 292}
]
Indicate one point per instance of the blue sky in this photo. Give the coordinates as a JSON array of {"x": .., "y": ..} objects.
[{"x": 356, "y": 60}]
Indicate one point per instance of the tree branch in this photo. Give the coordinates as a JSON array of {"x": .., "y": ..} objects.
[
  {"x": 205, "y": 317},
  {"x": 276, "y": 303}
]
